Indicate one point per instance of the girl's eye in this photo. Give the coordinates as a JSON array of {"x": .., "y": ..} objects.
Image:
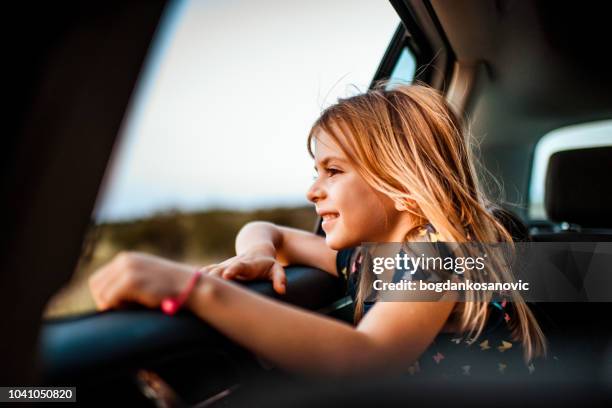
[{"x": 332, "y": 171}]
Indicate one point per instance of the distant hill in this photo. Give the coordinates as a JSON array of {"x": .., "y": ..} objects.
[{"x": 199, "y": 238}]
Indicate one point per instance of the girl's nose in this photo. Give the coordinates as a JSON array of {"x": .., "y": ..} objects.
[{"x": 315, "y": 192}]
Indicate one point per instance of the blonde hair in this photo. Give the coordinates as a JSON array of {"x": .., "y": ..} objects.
[{"x": 407, "y": 143}]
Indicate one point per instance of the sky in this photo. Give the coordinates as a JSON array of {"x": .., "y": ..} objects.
[{"x": 229, "y": 91}]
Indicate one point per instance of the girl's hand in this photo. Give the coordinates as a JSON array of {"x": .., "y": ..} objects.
[
  {"x": 258, "y": 263},
  {"x": 138, "y": 277}
]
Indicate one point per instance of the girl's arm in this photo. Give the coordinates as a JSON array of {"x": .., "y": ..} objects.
[
  {"x": 389, "y": 338},
  {"x": 290, "y": 246},
  {"x": 263, "y": 249}
]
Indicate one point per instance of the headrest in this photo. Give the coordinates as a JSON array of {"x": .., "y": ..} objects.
[{"x": 579, "y": 187}]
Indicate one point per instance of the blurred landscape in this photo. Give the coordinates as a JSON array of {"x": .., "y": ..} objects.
[{"x": 198, "y": 238}]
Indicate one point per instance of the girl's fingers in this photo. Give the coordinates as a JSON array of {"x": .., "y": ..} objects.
[
  {"x": 232, "y": 271},
  {"x": 211, "y": 270},
  {"x": 208, "y": 268},
  {"x": 279, "y": 279},
  {"x": 107, "y": 277},
  {"x": 100, "y": 283},
  {"x": 108, "y": 290},
  {"x": 109, "y": 295},
  {"x": 216, "y": 271}
]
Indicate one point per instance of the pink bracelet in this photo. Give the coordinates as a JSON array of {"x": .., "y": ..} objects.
[{"x": 171, "y": 305}]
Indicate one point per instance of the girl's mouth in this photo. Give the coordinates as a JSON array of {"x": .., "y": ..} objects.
[{"x": 329, "y": 219}]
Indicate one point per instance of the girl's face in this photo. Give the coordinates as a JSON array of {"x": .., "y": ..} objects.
[{"x": 352, "y": 211}]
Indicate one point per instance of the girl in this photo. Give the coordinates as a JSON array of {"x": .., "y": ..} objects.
[{"x": 393, "y": 166}]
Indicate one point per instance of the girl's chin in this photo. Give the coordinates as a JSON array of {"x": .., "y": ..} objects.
[
  {"x": 336, "y": 242},
  {"x": 332, "y": 242}
]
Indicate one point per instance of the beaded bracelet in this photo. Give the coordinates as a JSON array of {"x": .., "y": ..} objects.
[{"x": 171, "y": 305}]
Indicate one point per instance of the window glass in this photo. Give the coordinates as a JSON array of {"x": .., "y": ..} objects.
[
  {"x": 404, "y": 69},
  {"x": 580, "y": 136},
  {"x": 216, "y": 132}
]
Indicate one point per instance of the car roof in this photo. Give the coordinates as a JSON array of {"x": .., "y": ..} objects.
[{"x": 540, "y": 66}]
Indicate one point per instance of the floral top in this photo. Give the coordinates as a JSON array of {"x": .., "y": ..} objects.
[{"x": 450, "y": 355}]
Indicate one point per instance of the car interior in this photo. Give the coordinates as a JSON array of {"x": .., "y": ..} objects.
[{"x": 515, "y": 69}]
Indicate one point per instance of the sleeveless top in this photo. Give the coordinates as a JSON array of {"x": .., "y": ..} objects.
[{"x": 453, "y": 355}]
